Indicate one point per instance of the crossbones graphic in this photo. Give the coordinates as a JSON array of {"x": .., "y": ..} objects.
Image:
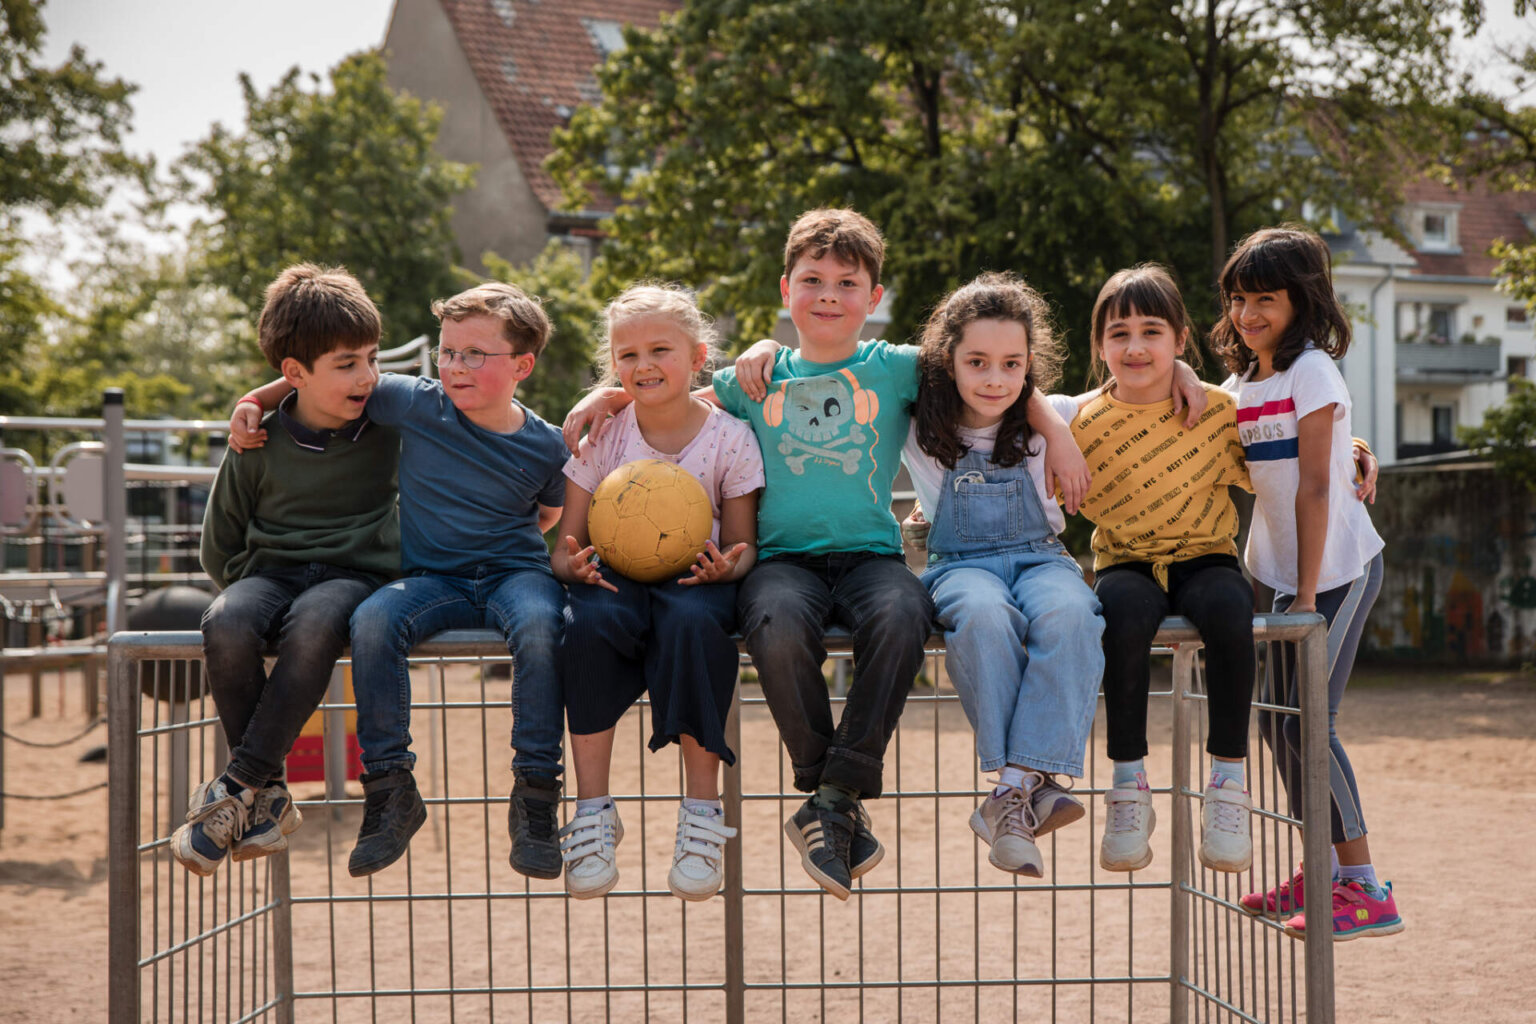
[{"x": 849, "y": 458}]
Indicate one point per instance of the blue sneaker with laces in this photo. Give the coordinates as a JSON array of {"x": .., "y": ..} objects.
[{"x": 216, "y": 818}]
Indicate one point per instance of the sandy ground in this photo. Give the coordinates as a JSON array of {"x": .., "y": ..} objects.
[{"x": 1448, "y": 770}]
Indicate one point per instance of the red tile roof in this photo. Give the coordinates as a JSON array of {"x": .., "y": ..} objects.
[
  {"x": 534, "y": 60},
  {"x": 1484, "y": 215}
]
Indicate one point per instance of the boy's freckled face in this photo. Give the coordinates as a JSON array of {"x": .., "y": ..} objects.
[
  {"x": 828, "y": 300},
  {"x": 491, "y": 387},
  {"x": 335, "y": 391}
]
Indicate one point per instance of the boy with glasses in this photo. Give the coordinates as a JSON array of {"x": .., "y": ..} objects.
[{"x": 480, "y": 482}]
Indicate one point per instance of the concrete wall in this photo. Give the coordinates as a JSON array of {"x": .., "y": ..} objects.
[
  {"x": 501, "y": 213},
  {"x": 1459, "y": 585}
]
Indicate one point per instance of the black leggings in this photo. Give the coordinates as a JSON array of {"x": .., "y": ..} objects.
[{"x": 1211, "y": 592}]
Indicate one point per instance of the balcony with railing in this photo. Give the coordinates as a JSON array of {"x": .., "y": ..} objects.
[{"x": 1450, "y": 361}]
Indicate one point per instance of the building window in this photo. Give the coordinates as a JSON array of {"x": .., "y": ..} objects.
[
  {"x": 607, "y": 36},
  {"x": 1517, "y": 366},
  {"x": 1437, "y": 230},
  {"x": 1445, "y": 422},
  {"x": 1516, "y": 316},
  {"x": 1442, "y": 324}
]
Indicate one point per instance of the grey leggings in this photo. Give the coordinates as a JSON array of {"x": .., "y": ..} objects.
[{"x": 1345, "y": 608}]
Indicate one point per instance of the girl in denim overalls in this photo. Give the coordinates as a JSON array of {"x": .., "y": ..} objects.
[{"x": 1022, "y": 629}]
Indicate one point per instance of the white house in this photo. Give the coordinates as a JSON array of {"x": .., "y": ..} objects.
[{"x": 1435, "y": 341}]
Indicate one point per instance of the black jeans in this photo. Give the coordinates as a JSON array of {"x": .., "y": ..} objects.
[
  {"x": 784, "y": 605},
  {"x": 1211, "y": 592},
  {"x": 305, "y": 611}
]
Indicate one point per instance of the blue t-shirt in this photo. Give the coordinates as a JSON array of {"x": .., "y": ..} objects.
[
  {"x": 469, "y": 497},
  {"x": 831, "y": 435}
]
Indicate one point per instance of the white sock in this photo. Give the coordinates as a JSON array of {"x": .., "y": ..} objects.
[
  {"x": 1333, "y": 852},
  {"x": 1364, "y": 873},
  {"x": 711, "y": 808},
  {"x": 1130, "y": 773},
  {"x": 592, "y": 806},
  {"x": 1011, "y": 776},
  {"x": 1223, "y": 770}
]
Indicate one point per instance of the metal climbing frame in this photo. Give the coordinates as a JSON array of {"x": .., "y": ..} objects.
[{"x": 934, "y": 933}]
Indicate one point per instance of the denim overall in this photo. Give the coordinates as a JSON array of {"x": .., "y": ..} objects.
[{"x": 1022, "y": 629}]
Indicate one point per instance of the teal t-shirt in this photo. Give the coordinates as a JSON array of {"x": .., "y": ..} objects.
[{"x": 831, "y": 435}]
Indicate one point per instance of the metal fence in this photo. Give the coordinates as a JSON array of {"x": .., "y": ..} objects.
[{"x": 934, "y": 933}]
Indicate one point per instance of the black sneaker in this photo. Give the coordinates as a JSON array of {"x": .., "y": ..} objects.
[
  {"x": 532, "y": 826},
  {"x": 392, "y": 814},
  {"x": 864, "y": 850},
  {"x": 823, "y": 837}
]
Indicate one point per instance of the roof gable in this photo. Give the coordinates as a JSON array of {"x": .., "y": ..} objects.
[
  {"x": 1483, "y": 215},
  {"x": 535, "y": 62}
]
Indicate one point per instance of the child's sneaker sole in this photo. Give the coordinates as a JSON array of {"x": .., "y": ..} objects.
[
  {"x": 187, "y": 857},
  {"x": 1366, "y": 932}
]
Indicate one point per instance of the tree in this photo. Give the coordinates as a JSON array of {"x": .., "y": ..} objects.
[
  {"x": 346, "y": 176},
  {"x": 1508, "y": 434},
  {"x": 61, "y": 151},
  {"x": 1044, "y": 137}
]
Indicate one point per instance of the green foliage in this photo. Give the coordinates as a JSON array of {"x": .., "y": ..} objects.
[
  {"x": 1508, "y": 434},
  {"x": 1032, "y": 136},
  {"x": 571, "y": 298},
  {"x": 346, "y": 175}
]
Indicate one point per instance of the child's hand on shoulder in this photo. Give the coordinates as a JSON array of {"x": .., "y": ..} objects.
[
  {"x": 592, "y": 414},
  {"x": 754, "y": 368},
  {"x": 712, "y": 566},
  {"x": 1188, "y": 393},
  {"x": 245, "y": 431},
  {"x": 583, "y": 567}
]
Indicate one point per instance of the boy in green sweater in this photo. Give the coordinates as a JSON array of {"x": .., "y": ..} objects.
[{"x": 297, "y": 533}]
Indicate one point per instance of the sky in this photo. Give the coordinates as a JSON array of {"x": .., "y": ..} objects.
[{"x": 186, "y": 55}]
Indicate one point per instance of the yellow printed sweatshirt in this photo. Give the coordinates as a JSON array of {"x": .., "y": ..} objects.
[{"x": 1159, "y": 491}]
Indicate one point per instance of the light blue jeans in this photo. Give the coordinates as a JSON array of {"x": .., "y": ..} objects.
[
  {"x": 526, "y": 605},
  {"x": 1022, "y": 646}
]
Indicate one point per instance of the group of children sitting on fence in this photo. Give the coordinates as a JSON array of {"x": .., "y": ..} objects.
[{"x": 316, "y": 547}]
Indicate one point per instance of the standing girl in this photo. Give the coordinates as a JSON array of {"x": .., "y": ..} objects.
[
  {"x": 673, "y": 638},
  {"x": 1281, "y": 329},
  {"x": 1165, "y": 543},
  {"x": 1022, "y": 629}
]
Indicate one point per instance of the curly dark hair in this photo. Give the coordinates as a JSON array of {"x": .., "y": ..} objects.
[
  {"x": 1292, "y": 259},
  {"x": 1147, "y": 289},
  {"x": 992, "y": 296}
]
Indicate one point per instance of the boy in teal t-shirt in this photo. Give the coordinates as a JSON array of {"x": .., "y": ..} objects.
[{"x": 831, "y": 430}]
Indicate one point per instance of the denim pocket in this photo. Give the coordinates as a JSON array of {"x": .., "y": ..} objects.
[{"x": 987, "y": 511}]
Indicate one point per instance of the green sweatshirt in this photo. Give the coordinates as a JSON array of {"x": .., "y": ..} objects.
[{"x": 307, "y": 496}]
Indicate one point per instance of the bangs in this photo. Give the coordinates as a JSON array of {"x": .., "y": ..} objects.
[
  {"x": 1258, "y": 268},
  {"x": 1143, "y": 295}
]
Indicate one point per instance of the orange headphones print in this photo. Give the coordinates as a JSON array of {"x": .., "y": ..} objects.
[{"x": 866, "y": 404}]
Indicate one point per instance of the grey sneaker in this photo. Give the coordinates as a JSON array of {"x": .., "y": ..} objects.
[
  {"x": 1005, "y": 821},
  {"x": 273, "y": 819},
  {"x": 864, "y": 851},
  {"x": 1128, "y": 824},
  {"x": 1054, "y": 804},
  {"x": 822, "y": 837},
  {"x": 215, "y": 820}
]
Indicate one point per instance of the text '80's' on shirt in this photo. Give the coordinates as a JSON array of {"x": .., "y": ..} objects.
[{"x": 1159, "y": 491}]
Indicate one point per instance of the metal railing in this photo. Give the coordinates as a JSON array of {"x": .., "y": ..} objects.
[{"x": 934, "y": 933}]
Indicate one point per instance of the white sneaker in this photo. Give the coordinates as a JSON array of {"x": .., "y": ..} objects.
[
  {"x": 1005, "y": 821},
  {"x": 1225, "y": 840},
  {"x": 1128, "y": 825},
  {"x": 588, "y": 845},
  {"x": 698, "y": 859}
]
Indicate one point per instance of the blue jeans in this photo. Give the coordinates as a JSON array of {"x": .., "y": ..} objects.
[
  {"x": 302, "y": 610},
  {"x": 785, "y": 605},
  {"x": 1022, "y": 646},
  {"x": 526, "y": 605}
]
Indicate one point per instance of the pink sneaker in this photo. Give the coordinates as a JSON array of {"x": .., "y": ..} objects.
[
  {"x": 1357, "y": 911},
  {"x": 1285, "y": 898}
]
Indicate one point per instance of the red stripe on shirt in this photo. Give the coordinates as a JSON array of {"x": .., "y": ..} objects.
[{"x": 1253, "y": 412}]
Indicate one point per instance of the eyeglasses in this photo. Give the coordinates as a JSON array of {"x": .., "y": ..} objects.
[{"x": 471, "y": 358}]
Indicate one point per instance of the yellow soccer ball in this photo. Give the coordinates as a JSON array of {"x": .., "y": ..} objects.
[{"x": 649, "y": 520}]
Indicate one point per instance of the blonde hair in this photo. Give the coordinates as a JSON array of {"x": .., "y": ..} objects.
[{"x": 646, "y": 299}]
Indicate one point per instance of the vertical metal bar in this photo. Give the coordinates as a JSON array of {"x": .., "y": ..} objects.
[
  {"x": 333, "y": 740},
  {"x": 1179, "y": 907},
  {"x": 122, "y": 836},
  {"x": 282, "y": 937},
  {"x": 115, "y": 508},
  {"x": 735, "y": 910},
  {"x": 1312, "y": 688},
  {"x": 179, "y": 711}
]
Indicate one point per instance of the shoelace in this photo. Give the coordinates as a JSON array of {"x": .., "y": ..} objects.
[
  {"x": 1018, "y": 816},
  {"x": 1123, "y": 815},
  {"x": 587, "y": 834},
  {"x": 539, "y": 822},
  {"x": 837, "y": 830},
  {"x": 1227, "y": 817},
  {"x": 223, "y": 820},
  {"x": 701, "y": 835}
]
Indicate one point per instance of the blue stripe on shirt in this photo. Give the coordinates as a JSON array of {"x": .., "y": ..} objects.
[{"x": 1271, "y": 451}]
